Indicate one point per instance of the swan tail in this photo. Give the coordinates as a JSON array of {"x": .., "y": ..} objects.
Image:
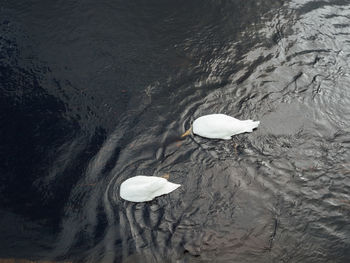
[{"x": 250, "y": 125}]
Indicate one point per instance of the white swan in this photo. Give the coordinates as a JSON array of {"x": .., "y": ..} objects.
[
  {"x": 143, "y": 188},
  {"x": 220, "y": 126}
]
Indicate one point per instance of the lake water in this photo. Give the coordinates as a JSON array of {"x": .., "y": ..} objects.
[{"x": 94, "y": 92}]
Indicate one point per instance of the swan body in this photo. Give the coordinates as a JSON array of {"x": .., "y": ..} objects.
[
  {"x": 221, "y": 126},
  {"x": 145, "y": 188}
]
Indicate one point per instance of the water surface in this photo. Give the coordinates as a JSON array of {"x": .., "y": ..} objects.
[{"x": 93, "y": 93}]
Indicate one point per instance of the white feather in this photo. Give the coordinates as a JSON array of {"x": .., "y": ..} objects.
[
  {"x": 221, "y": 126},
  {"x": 145, "y": 188}
]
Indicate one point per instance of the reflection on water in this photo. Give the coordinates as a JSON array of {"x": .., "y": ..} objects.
[{"x": 94, "y": 94}]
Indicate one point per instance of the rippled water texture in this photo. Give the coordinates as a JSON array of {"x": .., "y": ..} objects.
[{"x": 94, "y": 92}]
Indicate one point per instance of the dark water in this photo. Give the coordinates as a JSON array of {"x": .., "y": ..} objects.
[{"x": 94, "y": 92}]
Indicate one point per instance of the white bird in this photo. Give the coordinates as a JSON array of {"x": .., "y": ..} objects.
[
  {"x": 220, "y": 126},
  {"x": 143, "y": 188}
]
